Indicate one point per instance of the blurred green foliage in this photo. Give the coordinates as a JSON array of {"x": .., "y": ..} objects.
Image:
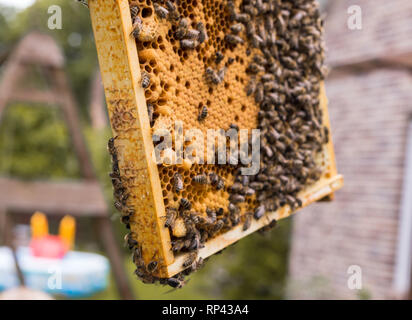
[{"x": 34, "y": 143}]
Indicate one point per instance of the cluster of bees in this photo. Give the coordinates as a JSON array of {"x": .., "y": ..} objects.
[
  {"x": 189, "y": 38},
  {"x": 144, "y": 271},
  {"x": 119, "y": 191},
  {"x": 285, "y": 74},
  {"x": 192, "y": 229},
  {"x": 284, "y": 44}
]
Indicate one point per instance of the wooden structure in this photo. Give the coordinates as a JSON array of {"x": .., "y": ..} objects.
[
  {"x": 80, "y": 198},
  {"x": 126, "y": 100}
]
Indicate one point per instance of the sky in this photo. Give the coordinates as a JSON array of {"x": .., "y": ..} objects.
[{"x": 17, "y": 3}]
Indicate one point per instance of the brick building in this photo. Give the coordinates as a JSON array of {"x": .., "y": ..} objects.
[{"x": 369, "y": 223}]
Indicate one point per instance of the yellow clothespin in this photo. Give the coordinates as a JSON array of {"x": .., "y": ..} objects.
[
  {"x": 39, "y": 225},
  {"x": 67, "y": 230}
]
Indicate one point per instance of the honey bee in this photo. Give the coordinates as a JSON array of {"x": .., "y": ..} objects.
[
  {"x": 195, "y": 243},
  {"x": 290, "y": 199},
  {"x": 175, "y": 283},
  {"x": 178, "y": 245},
  {"x": 188, "y": 44},
  {"x": 122, "y": 198},
  {"x": 220, "y": 184},
  {"x": 259, "y": 212},
  {"x": 259, "y": 93},
  {"x": 281, "y": 24},
  {"x": 197, "y": 264},
  {"x": 242, "y": 17},
  {"x": 134, "y": 11},
  {"x": 269, "y": 23},
  {"x": 212, "y": 76},
  {"x": 120, "y": 194},
  {"x": 299, "y": 15},
  {"x": 161, "y": 12},
  {"x": 250, "y": 9},
  {"x": 221, "y": 74},
  {"x": 145, "y": 80},
  {"x": 233, "y": 39},
  {"x": 236, "y": 187},
  {"x": 249, "y": 192},
  {"x": 197, "y": 218},
  {"x": 152, "y": 266},
  {"x": 268, "y": 151},
  {"x": 247, "y": 222},
  {"x": 211, "y": 214},
  {"x": 256, "y": 41},
  {"x": 284, "y": 179},
  {"x": 118, "y": 205},
  {"x": 173, "y": 13},
  {"x": 125, "y": 220},
  {"x": 236, "y": 198},
  {"x": 117, "y": 184},
  {"x": 182, "y": 29},
  {"x": 184, "y": 204},
  {"x": 200, "y": 179},
  {"x": 202, "y": 114},
  {"x": 143, "y": 275},
  {"x": 137, "y": 27},
  {"x": 214, "y": 178},
  {"x": 177, "y": 182},
  {"x": 255, "y": 68},
  {"x": 220, "y": 211},
  {"x": 235, "y": 219},
  {"x": 233, "y": 208},
  {"x": 217, "y": 226},
  {"x": 137, "y": 256},
  {"x": 261, "y": 61},
  {"x": 129, "y": 241},
  {"x": 111, "y": 147},
  {"x": 219, "y": 57},
  {"x": 236, "y": 28},
  {"x": 251, "y": 87},
  {"x": 192, "y": 34},
  {"x": 202, "y": 32},
  {"x": 191, "y": 258},
  {"x": 289, "y": 62},
  {"x": 231, "y": 8},
  {"x": 269, "y": 227},
  {"x": 244, "y": 180},
  {"x": 171, "y": 216},
  {"x": 115, "y": 170}
]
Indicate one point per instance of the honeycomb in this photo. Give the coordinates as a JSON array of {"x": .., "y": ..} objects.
[
  {"x": 181, "y": 75},
  {"x": 178, "y": 82}
]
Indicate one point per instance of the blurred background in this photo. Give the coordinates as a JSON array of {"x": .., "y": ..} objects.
[{"x": 367, "y": 228}]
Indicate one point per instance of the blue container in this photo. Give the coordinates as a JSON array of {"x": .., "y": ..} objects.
[{"x": 78, "y": 274}]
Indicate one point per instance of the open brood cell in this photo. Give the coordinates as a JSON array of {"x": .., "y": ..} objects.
[{"x": 250, "y": 64}]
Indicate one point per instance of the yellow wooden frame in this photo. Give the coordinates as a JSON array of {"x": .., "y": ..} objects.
[{"x": 119, "y": 64}]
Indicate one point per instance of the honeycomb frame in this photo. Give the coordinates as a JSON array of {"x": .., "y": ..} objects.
[{"x": 127, "y": 106}]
